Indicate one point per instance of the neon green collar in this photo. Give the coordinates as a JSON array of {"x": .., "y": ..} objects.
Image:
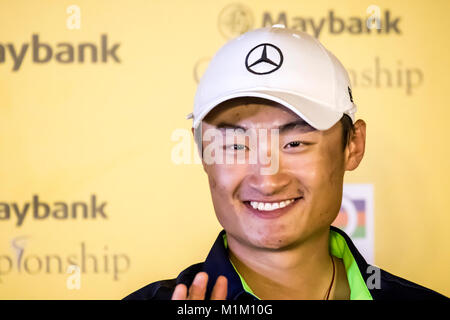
[{"x": 338, "y": 248}]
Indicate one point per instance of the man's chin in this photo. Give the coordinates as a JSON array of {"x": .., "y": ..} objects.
[{"x": 273, "y": 241}]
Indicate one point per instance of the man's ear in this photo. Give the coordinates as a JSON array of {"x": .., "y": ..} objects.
[{"x": 356, "y": 145}]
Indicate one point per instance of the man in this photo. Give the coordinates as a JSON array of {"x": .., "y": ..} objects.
[{"x": 274, "y": 122}]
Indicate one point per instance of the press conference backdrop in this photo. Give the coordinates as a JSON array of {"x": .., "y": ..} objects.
[{"x": 98, "y": 199}]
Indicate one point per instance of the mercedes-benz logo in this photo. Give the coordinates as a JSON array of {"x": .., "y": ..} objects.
[{"x": 263, "y": 59}]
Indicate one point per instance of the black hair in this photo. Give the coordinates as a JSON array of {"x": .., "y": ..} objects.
[{"x": 347, "y": 129}]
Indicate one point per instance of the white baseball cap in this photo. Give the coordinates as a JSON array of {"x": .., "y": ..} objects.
[{"x": 279, "y": 64}]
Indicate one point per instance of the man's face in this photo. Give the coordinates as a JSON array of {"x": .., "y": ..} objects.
[{"x": 307, "y": 184}]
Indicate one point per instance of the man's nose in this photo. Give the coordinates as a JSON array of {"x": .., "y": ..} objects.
[{"x": 268, "y": 185}]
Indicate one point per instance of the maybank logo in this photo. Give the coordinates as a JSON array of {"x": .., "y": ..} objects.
[
  {"x": 39, "y": 210},
  {"x": 40, "y": 52},
  {"x": 236, "y": 19}
]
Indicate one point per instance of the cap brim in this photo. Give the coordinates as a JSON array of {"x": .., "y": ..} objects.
[{"x": 316, "y": 114}]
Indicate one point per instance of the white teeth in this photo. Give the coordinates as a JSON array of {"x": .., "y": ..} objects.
[{"x": 270, "y": 206}]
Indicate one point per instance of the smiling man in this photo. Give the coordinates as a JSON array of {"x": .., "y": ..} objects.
[{"x": 274, "y": 122}]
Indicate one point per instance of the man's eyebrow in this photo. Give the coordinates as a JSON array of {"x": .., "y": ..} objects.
[
  {"x": 224, "y": 125},
  {"x": 298, "y": 124}
]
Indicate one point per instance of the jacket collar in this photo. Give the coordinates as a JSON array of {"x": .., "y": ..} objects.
[{"x": 218, "y": 263}]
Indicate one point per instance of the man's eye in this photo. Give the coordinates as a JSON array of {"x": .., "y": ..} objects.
[
  {"x": 293, "y": 144},
  {"x": 237, "y": 147}
]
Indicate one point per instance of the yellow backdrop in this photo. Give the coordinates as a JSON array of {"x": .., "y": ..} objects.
[{"x": 92, "y": 91}]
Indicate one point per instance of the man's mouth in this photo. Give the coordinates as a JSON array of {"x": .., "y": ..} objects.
[{"x": 271, "y": 206}]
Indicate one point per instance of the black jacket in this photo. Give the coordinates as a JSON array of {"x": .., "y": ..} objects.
[{"x": 217, "y": 263}]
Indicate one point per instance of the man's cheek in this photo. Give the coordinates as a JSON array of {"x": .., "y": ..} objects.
[
  {"x": 212, "y": 182},
  {"x": 307, "y": 172},
  {"x": 319, "y": 171},
  {"x": 222, "y": 183}
]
